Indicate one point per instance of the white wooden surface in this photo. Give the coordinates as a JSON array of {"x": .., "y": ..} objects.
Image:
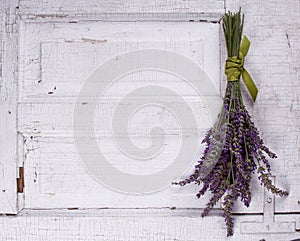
[
  {"x": 64, "y": 58},
  {"x": 52, "y": 34},
  {"x": 133, "y": 225},
  {"x": 59, "y": 60},
  {"x": 8, "y": 107},
  {"x": 274, "y": 64},
  {"x": 122, "y": 10}
]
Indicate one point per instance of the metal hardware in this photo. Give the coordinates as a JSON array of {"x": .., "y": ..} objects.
[{"x": 268, "y": 225}]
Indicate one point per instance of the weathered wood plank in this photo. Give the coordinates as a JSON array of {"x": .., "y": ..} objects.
[
  {"x": 54, "y": 172},
  {"x": 8, "y": 104},
  {"x": 56, "y": 178},
  {"x": 123, "y": 10},
  {"x": 58, "y": 59},
  {"x": 49, "y": 119},
  {"x": 133, "y": 225},
  {"x": 273, "y": 61}
]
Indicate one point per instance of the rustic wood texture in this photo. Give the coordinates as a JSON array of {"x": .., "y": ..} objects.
[
  {"x": 59, "y": 60},
  {"x": 54, "y": 180},
  {"x": 273, "y": 61},
  {"x": 120, "y": 225},
  {"x": 56, "y": 45},
  {"x": 8, "y": 106},
  {"x": 123, "y": 10}
]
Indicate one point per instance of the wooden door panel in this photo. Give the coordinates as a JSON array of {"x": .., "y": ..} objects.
[{"x": 59, "y": 59}]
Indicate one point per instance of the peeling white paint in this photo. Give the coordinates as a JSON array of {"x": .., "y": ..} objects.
[{"x": 54, "y": 46}]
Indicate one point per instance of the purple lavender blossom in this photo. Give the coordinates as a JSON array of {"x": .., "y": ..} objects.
[
  {"x": 234, "y": 149},
  {"x": 242, "y": 153}
]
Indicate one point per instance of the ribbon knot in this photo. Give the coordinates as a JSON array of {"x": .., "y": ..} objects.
[{"x": 234, "y": 68}]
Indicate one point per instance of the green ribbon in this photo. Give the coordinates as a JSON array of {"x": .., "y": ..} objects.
[{"x": 234, "y": 68}]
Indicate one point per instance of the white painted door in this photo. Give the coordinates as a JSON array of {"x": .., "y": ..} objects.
[
  {"x": 138, "y": 100},
  {"x": 105, "y": 103}
]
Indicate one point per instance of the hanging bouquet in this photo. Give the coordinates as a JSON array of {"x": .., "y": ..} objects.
[{"x": 234, "y": 149}]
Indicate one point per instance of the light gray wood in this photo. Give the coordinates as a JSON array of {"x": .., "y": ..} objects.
[
  {"x": 125, "y": 10},
  {"x": 56, "y": 178},
  {"x": 273, "y": 62},
  {"x": 119, "y": 225},
  {"x": 55, "y": 62},
  {"x": 33, "y": 55},
  {"x": 8, "y": 106}
]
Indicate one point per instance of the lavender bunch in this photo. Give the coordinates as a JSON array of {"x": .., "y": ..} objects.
[{"x": 234, "y": 149}]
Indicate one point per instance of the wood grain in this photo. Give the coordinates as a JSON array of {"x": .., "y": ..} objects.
[
  {"x": 119, "y": 225},
  {"x": 123, "y": 10},
  {"x": 47, "y": 49},
  {"x": 8, "y": 107},
  {"x": 273, "y": 61}
]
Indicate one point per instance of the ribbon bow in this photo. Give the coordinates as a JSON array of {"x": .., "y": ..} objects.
[{"x": 234, "y": 68}]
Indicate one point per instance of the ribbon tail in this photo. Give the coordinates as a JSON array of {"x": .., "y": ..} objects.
[
  {"x": 245, "y": 45},
  {"x": 250, "y": 84}
]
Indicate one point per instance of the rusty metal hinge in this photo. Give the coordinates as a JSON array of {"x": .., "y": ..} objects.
[{"x": 20, "y": 180}]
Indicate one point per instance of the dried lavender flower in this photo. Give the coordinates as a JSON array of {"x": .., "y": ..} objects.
[{"x": 234, "y": 150}]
